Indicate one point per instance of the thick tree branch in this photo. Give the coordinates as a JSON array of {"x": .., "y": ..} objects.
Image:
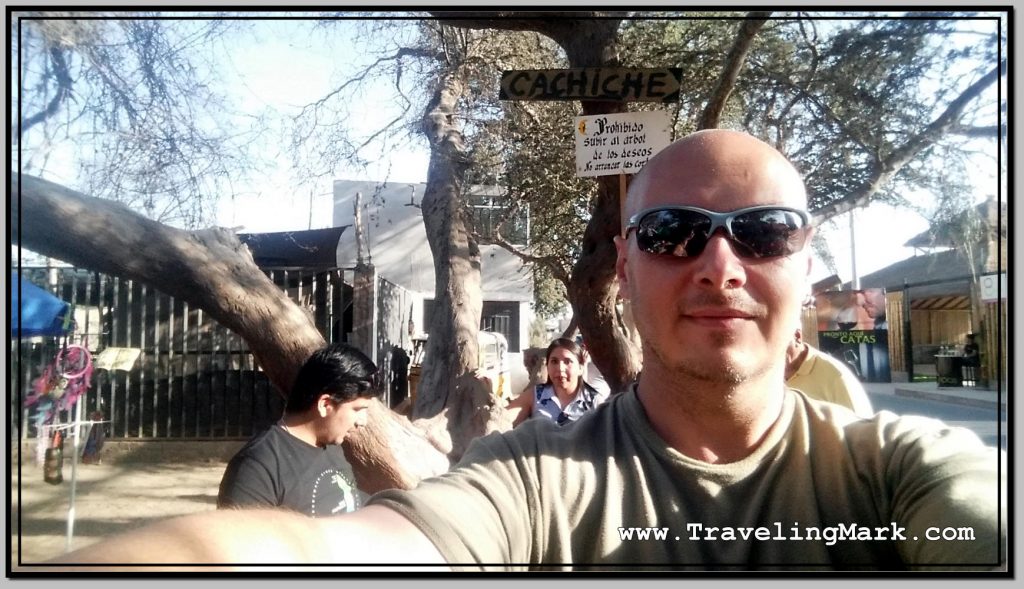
[
  {"x": 563, "y": 27},
  {"x": 733, "y": 64}
]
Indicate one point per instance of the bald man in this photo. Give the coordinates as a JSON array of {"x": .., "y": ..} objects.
[{"x": 708, "y": 461}]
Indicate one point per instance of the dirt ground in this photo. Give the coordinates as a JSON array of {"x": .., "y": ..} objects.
[{"x": 109, "y": 499}]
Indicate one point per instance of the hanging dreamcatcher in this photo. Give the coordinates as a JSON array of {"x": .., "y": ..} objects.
[{"x": 62, "y": 382}]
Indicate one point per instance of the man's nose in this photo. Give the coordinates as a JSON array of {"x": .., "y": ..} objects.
[{"x": 719, "y": 266}]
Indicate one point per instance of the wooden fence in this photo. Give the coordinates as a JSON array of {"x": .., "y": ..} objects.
[{"x": 993, "y": 344}]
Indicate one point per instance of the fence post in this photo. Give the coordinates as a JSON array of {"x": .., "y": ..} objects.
[{"x": 364, "y": 310}]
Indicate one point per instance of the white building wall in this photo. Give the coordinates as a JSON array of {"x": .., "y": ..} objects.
[{"x": 396, "y": 244}]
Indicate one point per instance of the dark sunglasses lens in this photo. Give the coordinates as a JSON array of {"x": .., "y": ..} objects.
[
  {"x": 673, "y": 232},
  {"x": 769, "y": 233}
]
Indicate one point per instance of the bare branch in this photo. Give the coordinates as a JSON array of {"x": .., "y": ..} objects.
[
  {"x": 397, "y": 57},
  {"x": 549, "y": 262},
  {"x": 384, "y": 129},
  {"x": 64, "y": 83},
  {"x": 884, "y": 172},
  {"x": 988, "y": 132}
]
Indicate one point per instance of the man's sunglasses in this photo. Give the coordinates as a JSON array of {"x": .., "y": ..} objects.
[{"x": 756, "y": 232}]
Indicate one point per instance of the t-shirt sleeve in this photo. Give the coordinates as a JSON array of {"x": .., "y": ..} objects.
[
  {"x": 477, "y": 514},
  {"x": 949, "y": 492},
  {"x": 856, "y": 396},
  {"x": 246, "y": 483}
]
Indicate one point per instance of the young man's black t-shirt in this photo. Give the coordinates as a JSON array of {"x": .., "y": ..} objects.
[{"x": 277, "y": 469}]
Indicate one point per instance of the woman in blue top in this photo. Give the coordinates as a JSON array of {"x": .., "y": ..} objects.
[{"x": 565, "y": 396}]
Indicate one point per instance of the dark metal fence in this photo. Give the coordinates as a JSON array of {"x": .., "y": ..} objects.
[{"x": 194, "y": 378}]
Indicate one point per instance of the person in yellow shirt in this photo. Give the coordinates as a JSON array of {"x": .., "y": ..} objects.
[{"x": 820, "y": 376}]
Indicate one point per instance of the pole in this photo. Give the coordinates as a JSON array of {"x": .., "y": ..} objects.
[
  {"x": 76, "y": 434},
  {"x": 622, "y": 202},
  {"x": 310, "y": 209},
  {"x": 357, "y": 220}
]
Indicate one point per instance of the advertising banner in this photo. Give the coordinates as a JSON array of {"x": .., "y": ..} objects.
[{"x": 852, "y": 327}]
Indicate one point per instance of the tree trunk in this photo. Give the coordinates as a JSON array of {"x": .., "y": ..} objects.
[
  {"x": 213, "y": 271},
  {"x": 390, "y": 452},
  {"x": 452, "y": 346},
  {"x": 588, "y": 39},
  {"x": 593, "y": 290},
  {"x": 452, "y": 402}
]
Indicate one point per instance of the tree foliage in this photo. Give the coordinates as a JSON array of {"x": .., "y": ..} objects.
[
  {"x": 841, "y": 97},
  {"x": 861, "y": 101}
]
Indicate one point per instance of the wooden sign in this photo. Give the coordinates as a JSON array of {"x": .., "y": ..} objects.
[
  {"x": 619, "y": 143},
  {"x": 615, "y": 84}
]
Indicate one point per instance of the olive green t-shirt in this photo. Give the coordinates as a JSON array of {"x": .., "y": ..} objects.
[{"x": 826, "y": 489}]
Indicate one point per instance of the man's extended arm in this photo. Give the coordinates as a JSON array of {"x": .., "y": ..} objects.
[{"x": 372, "y": 535}]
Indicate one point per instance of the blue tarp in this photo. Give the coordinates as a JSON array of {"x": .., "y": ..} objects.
[{"x": 39, "y": 312}]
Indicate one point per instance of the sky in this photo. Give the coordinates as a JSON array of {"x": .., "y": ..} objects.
[{"x": 274, "y": 72}]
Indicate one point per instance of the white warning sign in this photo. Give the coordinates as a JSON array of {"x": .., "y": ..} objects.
[{"x": 610, "y": 144}]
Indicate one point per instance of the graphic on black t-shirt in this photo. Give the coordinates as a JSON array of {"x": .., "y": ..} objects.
[{"x": 333, "y": 493}]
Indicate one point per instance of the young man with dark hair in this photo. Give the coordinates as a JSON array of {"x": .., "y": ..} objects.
[{"x": 298, "y": 462}]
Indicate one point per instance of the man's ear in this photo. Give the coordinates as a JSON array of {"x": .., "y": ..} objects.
[
  {"x": 621, "y": 251},
  {"x": 323, "y": 404}
]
